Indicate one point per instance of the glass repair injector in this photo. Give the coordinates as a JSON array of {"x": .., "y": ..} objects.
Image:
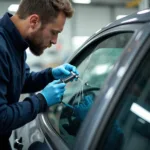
[
  {"x": 66, "y": 80},
  {"x": 70, "y": 78}
]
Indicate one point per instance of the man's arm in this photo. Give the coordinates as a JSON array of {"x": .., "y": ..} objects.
[
  {"x": 36, "y": 81},
  {"x": 16, "y": 114}
]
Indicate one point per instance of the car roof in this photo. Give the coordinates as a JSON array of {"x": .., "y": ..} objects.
[
  {"x": 138, "y": 17},
  {"x": 142, "y": 16}
]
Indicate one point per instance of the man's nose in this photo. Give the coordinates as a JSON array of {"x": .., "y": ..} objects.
[{"x": 54, "y": 40}]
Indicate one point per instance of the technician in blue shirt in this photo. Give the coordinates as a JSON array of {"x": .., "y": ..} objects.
[{"x": 36, "y": 25}]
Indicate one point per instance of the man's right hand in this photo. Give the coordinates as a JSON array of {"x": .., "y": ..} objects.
[{"x": 53, "y": 92}]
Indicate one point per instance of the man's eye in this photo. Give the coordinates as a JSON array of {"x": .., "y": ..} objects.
[{"x": 54, "y": 33}]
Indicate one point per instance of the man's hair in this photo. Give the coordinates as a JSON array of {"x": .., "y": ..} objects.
[{"x": 47, "y": 10}]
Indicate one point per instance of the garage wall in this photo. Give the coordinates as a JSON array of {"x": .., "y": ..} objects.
[
  {"x": 4, "y": 6},
  {"x": 89, "y": 19}
]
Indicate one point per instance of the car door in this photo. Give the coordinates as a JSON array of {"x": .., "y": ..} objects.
[
  {"x": 96, "y": 61},
  {"x": 117, "y": 120},
  {"x": 129, "y": 125}
]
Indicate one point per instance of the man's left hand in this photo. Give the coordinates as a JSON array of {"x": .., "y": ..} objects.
[
  {"x": 63, "y": 71},
  {"x": 82, "y": 109}
]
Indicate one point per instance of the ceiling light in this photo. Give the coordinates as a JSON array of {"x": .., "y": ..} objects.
[
  {"x": 13, "y": 7},
  {"x": 82, "y": 1}
]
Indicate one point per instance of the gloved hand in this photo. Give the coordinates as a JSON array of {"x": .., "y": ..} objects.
[
  {"x": 63, "y": 71},
  {"x": 53, "y": 92},
  {"x": 82, "y": 109}
]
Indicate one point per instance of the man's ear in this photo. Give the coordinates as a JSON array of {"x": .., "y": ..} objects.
[{"x": 34, "y": 21}]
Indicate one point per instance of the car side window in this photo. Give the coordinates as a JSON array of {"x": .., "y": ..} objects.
[
  {"x": 130, "y": 127},
  {"x": 94, "y": 67}
]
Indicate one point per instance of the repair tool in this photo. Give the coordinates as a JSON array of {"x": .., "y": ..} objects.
[
  {"x": 66, "y": 80},
  {"x": 70, "y": 78}
]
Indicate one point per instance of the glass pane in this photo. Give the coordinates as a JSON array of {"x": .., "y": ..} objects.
[
  {"x": 130, "y": 128},
  {"x": 94, "y": 69}
]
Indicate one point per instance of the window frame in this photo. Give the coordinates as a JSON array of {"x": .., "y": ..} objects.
[{"x": 50, "y": 134}]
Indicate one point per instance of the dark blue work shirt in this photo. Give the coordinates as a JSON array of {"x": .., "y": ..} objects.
[{"x": 15, "y": 78}]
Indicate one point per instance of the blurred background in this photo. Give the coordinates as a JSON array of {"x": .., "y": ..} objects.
[{"x": 90, "y": 16}]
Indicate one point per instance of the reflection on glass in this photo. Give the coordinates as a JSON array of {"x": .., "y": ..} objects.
[{"x": 141, "y": 112}]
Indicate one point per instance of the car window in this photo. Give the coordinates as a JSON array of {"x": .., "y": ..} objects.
[
  {"x": 94, "y": 65},
  {"x": 130, "y": 127}
]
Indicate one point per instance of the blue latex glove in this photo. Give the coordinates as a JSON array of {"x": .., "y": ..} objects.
[
  {"x": 63, "y": 71},
  {"x": 82, "y": 109},
  {"x": 53, "y": 92}
]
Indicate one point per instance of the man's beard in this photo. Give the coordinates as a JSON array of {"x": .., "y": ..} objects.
[
  {"x": 35, "y": 48},
  {"x": 35, "y": 43}
]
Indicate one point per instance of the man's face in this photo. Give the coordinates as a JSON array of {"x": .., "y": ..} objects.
[{"x": 42, "y": 36}]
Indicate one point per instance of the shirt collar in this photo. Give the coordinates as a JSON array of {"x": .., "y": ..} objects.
[{"x": 18, "y": 41}]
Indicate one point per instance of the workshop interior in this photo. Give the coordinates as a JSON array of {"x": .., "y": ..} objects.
[{"x": 87, "y": 41}]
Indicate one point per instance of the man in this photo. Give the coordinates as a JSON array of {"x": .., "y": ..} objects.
[{"x": 36, "y": 25}]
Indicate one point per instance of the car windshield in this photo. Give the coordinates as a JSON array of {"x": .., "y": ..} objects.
[{"x": 94, "y": 65}]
